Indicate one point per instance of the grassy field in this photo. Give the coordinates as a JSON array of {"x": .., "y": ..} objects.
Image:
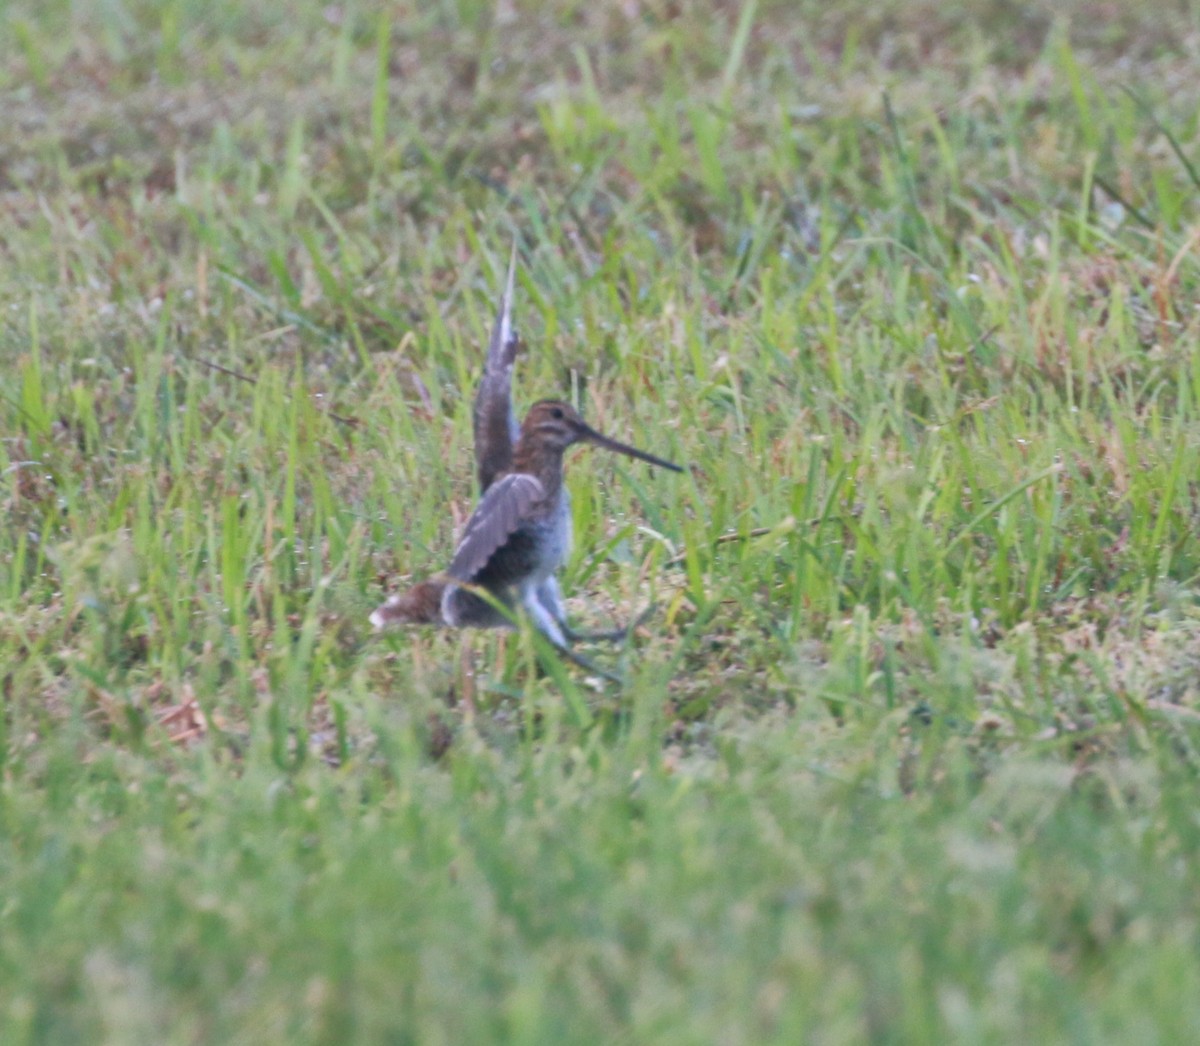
[{"x": 910, "y": 750}]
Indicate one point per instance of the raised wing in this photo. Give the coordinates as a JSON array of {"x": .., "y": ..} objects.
[
  {"x": 496, "y": 426},
  {"x": 500, "y": 512}
]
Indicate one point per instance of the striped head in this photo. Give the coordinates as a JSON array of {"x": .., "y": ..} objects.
[{"x": 552, "y": 425}]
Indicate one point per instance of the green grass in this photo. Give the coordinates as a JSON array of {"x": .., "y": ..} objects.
[{"x": 910, "y": 750}]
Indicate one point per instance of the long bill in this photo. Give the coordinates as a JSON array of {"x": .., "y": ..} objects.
[{"x": 598, "y": 438}]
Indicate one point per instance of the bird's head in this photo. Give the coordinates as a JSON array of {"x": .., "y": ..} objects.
[{"x": 554, "y": 424}]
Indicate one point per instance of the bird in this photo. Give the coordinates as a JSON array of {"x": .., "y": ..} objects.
[
  {"x": 516, "y": 539},
  {"x": 520, "y": 533}
]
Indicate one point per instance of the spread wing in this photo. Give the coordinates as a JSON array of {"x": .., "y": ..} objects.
[
  {"x": 500, "y": 511},
  {"x": 496, "y": 426}
]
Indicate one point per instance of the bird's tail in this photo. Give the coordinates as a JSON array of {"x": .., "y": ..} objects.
[{"x": 420, "y": 605}]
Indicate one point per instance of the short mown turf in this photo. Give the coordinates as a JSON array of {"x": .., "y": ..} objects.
[{"x": 909, "y": 750}]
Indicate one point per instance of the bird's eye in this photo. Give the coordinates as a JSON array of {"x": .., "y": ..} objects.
[{"x": 557, "y": 413}]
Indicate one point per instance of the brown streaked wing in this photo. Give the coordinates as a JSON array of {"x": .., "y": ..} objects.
[
  {"x": 495, "y": 424},
  {"x": 499, "y": 513}
]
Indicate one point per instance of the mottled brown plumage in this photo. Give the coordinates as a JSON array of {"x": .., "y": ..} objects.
[
  {"x": 420, "y": 605},
  {"x": 495, "y": 424},
  {"x": 520, "y": 532}
]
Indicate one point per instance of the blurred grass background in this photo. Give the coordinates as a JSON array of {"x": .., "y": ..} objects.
[{"x": 908, "y": 752}]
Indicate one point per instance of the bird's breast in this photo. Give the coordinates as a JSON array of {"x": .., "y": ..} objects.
[
  {"x": 548, "y": 539},
  {"x": 556, "y": 534}
]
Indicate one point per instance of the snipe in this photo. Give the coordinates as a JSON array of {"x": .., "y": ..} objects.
[{"x": 520, "y": 532}]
